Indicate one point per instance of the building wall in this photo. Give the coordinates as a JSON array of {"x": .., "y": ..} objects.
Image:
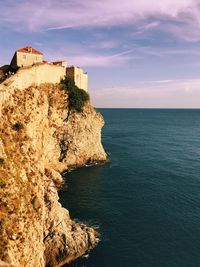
[
  {"x": 28, "y": 59},
  {"x": 79, "y": 76},
  {"x": 61, "y": 63},
  {"x": 36, "y": 75},
  {"x": 70, "y": 73}
]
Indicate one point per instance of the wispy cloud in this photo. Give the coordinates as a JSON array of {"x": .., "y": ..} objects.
[
  {"x": 150, "y": 94},
  {"x": 146, "y": 39},
  {"x": 182, "y": 16},
  {"x": 86, "y": 58},
  {"x": 151, "y": 25}
]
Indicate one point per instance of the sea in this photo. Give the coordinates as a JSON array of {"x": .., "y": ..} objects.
[{"x": 146, "y": 201}]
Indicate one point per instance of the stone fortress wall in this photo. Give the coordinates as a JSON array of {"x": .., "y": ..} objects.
[
  {"x": 79, "y": 76},
  {"x": 36, "y": 75},
  {"x": 31, "y": 76},
  {"x": 34, "y": 70}
]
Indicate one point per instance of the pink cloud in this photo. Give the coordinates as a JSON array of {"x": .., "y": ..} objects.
[
  {"x": 152, "y": 94},
  {"x": 48, "y": 14},
  {"x": 85, "y": 58}
]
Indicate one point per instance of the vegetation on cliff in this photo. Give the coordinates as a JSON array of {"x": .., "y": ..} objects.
[
  {"x": 77, "y": 97},
  {"x": 6, "y": 71},
  {"x": 36, "y": 144}
]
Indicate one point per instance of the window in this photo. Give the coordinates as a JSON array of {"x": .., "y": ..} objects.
[
  {"x": 35, "y": 58},
  {"x": 24, "y": 56}
]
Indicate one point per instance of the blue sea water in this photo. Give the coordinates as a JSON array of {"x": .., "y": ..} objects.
[{"x": 146, "y": 202}]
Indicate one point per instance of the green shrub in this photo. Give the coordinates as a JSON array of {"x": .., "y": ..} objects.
[
  {"x": 77, "y": 97},
  {"x": 17, "y": 126},
  {"x": 69, "y": 84}
]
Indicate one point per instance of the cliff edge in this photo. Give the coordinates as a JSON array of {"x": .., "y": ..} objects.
[{"x": 40, "y": 136}]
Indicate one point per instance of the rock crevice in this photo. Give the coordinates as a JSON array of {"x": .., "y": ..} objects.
[{"x": 35, "y": 230}]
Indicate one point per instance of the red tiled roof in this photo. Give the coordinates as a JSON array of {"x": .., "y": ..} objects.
[{"x": 29, "y": 49}]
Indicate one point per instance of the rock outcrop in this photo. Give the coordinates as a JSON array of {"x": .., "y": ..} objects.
[{"x": 39, "y": 138}]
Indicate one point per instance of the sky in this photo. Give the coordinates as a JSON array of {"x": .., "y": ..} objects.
[{"x": 138, "y": 54}]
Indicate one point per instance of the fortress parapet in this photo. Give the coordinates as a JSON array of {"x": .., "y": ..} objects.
[{"x": 28, "y": 56}]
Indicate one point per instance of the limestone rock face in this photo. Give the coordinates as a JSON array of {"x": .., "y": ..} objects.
[{"x": 39, "y": 138}]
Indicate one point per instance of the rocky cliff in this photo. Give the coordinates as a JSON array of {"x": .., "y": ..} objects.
[{"x": 39, "y": 138}]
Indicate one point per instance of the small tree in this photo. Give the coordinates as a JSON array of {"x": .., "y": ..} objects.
[{"x": 77, "y": 97}]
